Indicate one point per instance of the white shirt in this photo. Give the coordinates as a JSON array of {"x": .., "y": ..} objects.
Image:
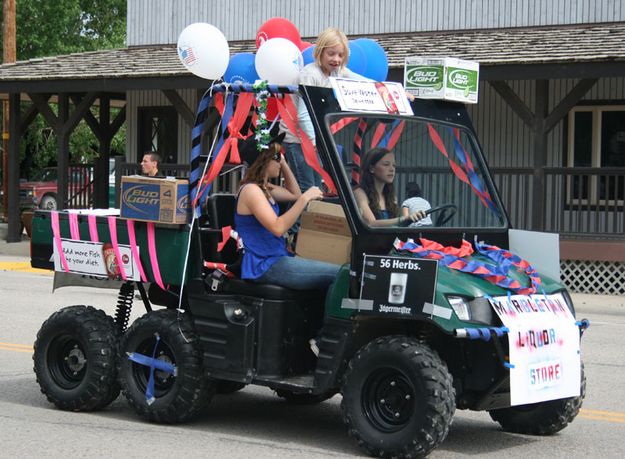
[
  {"x": 312, "y": 75},
  {"x": 416, "y": 204}
]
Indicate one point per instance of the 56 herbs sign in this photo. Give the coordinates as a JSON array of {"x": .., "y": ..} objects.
[
  {"x": 544, "y": 347},
  {"x": 398, "y": 285}
]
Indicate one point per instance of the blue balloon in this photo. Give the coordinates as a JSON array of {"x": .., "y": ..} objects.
[
  {"x": 307, "y": 54},
  {"x": 241, "y": 69},
  {"x": 357, "y": 59},
  {"x": 377, "y": 62}
]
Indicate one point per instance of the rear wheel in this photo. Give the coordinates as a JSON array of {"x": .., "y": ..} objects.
[
  {"x": 74, "y": 359},
  {"x": 545, "y": 418},
  {"x": 398, "y": 398},
  {"x": 160, "y": 368}
]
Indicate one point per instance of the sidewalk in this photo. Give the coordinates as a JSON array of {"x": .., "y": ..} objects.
[{"x": 15, "y": 251}]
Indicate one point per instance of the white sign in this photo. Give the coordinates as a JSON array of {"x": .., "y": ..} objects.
[
  {"x": 371, "y": 96},
  {"x": 544, "y": 347},
  {"x": 95, "y": 259}
]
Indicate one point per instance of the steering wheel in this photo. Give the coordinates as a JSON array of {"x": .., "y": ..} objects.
[{"x": 444, "y": 217}]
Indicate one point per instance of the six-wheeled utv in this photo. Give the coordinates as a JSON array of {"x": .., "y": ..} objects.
[{"x": 416, "y": 324}]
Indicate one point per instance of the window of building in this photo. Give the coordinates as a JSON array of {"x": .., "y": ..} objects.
[
  {"x": 596, "y": 139},
  {"x": 158, "y": 131}
]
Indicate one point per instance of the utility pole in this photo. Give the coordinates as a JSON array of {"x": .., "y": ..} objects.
[{"x": 8, "y": 56}]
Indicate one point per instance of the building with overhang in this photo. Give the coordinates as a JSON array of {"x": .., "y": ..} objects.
[{"x": 550, "y": 116}]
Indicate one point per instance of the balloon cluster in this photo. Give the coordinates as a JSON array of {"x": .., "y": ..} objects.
[{"x": 281, "y": 54}]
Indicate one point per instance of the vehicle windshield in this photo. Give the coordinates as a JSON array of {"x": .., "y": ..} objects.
[
  {"x": 45, "y": 175},
  {"x": 435, "y": 165}
]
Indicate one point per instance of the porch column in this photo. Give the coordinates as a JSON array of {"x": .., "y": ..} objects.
[
  {"x": 62, "y": 139},
  {"x": 539, "y": 142},
  {"x": 13, "y": 172}
]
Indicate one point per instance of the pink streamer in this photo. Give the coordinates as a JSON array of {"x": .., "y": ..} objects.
[
  {"x": 56, "y": 231},
  {"x": 153, "y": 257},
  {"x": 93, "y": 228},
  {"x": 113, "y": 231},
  {"x": 74, "y": 231},
  {"x": 134, "y": 249}
]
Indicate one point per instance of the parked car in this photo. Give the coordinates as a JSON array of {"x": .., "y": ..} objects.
[{"x": 42, "y": 191}]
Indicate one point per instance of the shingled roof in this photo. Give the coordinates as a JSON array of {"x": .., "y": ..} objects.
[{"x": 501, "y": 48}]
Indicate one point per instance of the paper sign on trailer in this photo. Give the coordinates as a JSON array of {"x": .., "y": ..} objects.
[{"x": 95, "y": 259}]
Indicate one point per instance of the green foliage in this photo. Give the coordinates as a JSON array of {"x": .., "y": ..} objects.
[{"x": 51, "y": 28}]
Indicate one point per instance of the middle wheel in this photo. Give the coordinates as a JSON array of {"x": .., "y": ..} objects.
[{"x": 160, "y": 368}]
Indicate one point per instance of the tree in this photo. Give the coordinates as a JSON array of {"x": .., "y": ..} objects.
[{"x": 51, "y": 28}]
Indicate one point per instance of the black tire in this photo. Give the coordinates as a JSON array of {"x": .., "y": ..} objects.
[
  {"x": 48, "y": 202},
  {"x": 544, "y": 418},
  {"x": 304, "y": 399},
  {"x": 75, "y": 359},
  {"x": 177, "y": 397},
  {"x": 224, "y": 387},
  {"x": 398, "y": 398}
]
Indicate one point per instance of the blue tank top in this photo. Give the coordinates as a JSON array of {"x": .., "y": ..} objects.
[
  {"x": 261, "y": 249},
  {"x": 384, "y": 214}
]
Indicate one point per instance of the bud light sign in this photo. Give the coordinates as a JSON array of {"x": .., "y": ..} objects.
[{"x": 442, "y": 78}]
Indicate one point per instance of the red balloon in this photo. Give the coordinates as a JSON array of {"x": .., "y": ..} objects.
[
  {"x": 272, "y": 109},
  {"x": 277, "y": 28},
  {"x": 304, "y": 45}
]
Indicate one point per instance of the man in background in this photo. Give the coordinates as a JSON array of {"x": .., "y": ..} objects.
[{"x": 150, "y": 163}]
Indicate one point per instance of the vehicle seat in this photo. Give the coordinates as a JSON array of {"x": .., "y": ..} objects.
[{"x": 220, "y": 208}]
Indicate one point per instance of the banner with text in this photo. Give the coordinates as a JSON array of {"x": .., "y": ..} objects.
[{"x": 544, "y": 347}]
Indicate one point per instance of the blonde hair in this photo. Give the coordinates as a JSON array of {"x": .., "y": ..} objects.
[{"x": 330, "y": 37}]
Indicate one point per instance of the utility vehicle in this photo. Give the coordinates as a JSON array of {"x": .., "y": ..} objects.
[{"x": 409, "y": 332}]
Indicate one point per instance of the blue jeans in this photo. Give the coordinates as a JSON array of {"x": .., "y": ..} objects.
[
  {"x": 304, "y": 174},
  {"x": 299, "y": 273}
]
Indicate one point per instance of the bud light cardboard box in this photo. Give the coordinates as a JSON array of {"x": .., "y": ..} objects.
[
  {"x": 162, "y": 200},
  {"x": 442, "y": 78}
]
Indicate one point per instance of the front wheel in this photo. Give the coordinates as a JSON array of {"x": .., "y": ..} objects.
[
  {"x": 398, "y": 398},
  {"x": 160, "y": 368},
  {"x": 74, "y": 359},
  {"x": 48, "y": 202},
  {"x": 545, "y": 418}
]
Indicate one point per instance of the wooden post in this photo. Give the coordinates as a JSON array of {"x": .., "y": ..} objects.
[
  {"x": 8, "y": 56},
  {"x": 13, "y": 170},
  {"x": 540, "y": 154},
  {"x": 101, "y": 184},
  {"x": 62, "y": 139}
]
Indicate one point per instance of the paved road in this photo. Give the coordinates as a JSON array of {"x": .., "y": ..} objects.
[{"x": 254, "y": 422}]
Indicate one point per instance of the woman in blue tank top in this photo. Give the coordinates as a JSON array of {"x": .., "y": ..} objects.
[
  {"x": 376, "y": 195},
  {"x": 258, "y": 222}
]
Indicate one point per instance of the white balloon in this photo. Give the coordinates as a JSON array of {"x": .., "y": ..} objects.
[
  {"x": 279, "y": 61},
  {"x": 204, "y": 50}
]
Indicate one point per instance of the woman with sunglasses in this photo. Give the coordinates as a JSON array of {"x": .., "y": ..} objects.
[{"x": 257, "y": 221}]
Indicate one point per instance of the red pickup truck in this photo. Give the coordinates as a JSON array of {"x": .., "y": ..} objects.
[{"x": 41, "y": 191}]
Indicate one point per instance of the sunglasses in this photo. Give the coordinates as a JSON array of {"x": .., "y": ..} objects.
[{"x": 277, "y": 157}]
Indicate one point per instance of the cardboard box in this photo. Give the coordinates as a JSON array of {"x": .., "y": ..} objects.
[
  {"x": 162, "y": 200},
  {"x": 324, "y": 234},
  {"x": 442, "y": 78}
]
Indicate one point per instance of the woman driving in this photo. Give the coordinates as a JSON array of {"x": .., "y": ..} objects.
[{"x": 376, "y": 195}]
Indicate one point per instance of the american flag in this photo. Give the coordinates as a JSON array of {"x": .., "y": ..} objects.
[{"x": 186, "y": 55}]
